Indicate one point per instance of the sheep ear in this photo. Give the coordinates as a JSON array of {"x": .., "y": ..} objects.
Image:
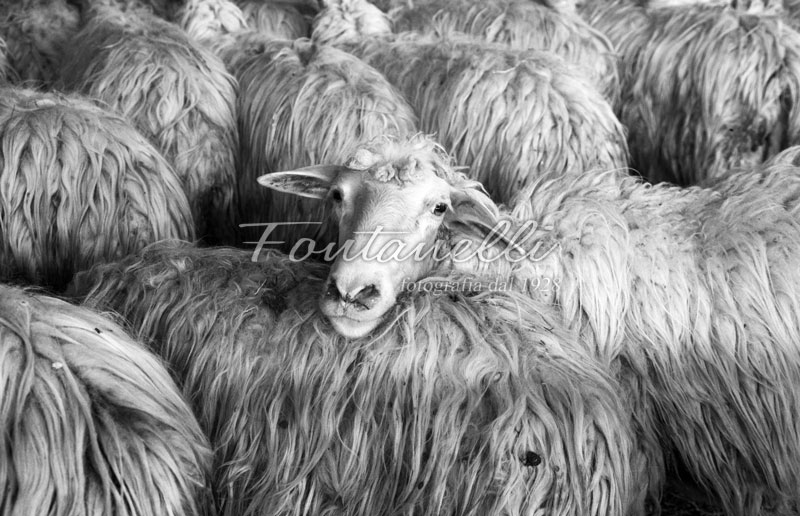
[
  {"x": 312, "y": 182},
  {"x": 476, "y": 215},
  {"x": 473, "y": 210}
]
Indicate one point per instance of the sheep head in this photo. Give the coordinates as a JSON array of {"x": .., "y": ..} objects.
[{"x": 396, "y": 203}]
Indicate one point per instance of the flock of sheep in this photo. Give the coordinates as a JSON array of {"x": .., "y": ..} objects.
[{"x": 602, "y": 303}]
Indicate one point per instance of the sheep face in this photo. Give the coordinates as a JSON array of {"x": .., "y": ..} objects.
[{"x": 393, "y": 208}]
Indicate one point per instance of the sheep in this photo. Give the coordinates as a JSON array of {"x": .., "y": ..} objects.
[
  {"x": 508, "y": 115},
  {"x": 282, "y": 20},
  {"x": 520, "y": 24},
  {"x": 92, "y": 422},
  {"x": 300, "y": 103},
  {"x": 177, "y": 94},
  {"x": 689, "y": 294},
  {"x": 78, "y": 185},
  {"x": 458, "y": 407},
  {"x": 35, "y": 32},
  {"x": 709, "y": 88}
]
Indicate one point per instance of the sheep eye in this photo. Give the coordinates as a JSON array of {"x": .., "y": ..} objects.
[
  {"x": 336, "y": 195},
  {"x": 440, "y": 208}
]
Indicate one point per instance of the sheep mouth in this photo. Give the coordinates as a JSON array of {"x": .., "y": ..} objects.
[{"x": 353, "y": 328}]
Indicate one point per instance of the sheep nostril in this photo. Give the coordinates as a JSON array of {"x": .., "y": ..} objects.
[
  {"x": 366, "y": 297},
  {"x": 332, "y": 291}
]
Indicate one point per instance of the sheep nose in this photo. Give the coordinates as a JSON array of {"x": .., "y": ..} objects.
[{"x": 361, "y": 297}]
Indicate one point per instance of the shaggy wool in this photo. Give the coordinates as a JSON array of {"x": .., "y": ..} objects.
[
  {"x": 209, "y": 313},
  {"x": 78, "y": 185},
  {"x": 702, "y": 286},
  {"x": 689, "y": 296},
  {"x": 510, "y": 116},
  {"x": 282, "y": 20},
  {"x": 710, "y": 89},
  {"x": 35, "y": 32},
  {"x": 92, "y": 423},
  {"x": 302, "y": 104},
  {"x": 520, "y": 24},
  {"x": 476, "y": 402},
  {"x": 177, "y": 94}
]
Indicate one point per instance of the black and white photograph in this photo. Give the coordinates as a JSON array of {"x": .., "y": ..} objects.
[{"x": 399, "y": 257}]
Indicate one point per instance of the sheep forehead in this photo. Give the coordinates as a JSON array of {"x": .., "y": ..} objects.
[
  {"x": 401, "y": 197},
  {"x": 386, "y": 183},
  {"x": 416, "y": 162}
]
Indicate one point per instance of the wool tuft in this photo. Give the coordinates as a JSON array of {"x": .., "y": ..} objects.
[
  {"x": 177, "y": 94},
  {"x": 78, "y": 186},
  {"x": 470, "y": 402},
  {"x": 92, "y": 422}
]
